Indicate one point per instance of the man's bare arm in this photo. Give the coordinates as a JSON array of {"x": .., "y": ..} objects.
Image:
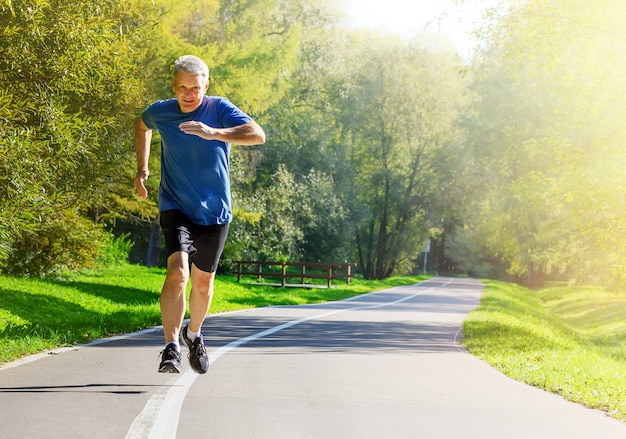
[
  {"x": 143, "y": 137},
  {"x": 249, "y": 133}
]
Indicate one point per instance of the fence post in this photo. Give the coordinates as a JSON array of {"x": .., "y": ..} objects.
[
  {"x": 259, "y": 270},
  {"x": 348, "y": 273},
  {"x": 238, "y": 271},
  {"x": 283, "y": 281},
  {"x": 330, "y": 276},
  {"x": 302, "y": 273}
]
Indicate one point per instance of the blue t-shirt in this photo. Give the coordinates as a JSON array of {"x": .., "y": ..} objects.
[{"x": 195, "y": 173}]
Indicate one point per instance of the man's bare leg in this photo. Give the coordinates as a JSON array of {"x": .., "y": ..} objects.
[
  {"x": 200, "y": 297},
  {"x": 199, "y": 303},
  {"x": 173, "y": 305},
  {"x": 173, "y": 300}
]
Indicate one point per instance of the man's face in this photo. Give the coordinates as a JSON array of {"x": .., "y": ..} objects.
[{"x": 189, "y": 88}]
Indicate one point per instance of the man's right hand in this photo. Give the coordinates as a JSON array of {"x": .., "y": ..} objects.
[{"x": 139, "y": 179}]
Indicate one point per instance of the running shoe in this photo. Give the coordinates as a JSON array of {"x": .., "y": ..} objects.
[
  {"x": 198, "y": 358},
  {"x": 170, "y": 360}
]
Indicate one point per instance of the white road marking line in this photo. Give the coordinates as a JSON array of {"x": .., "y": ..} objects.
[{"x": 160, "y": 416}]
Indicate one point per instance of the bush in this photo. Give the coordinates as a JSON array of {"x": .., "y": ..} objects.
[
  {"x": 115, "y": 251},
  {"x": 67, "y": 241}
]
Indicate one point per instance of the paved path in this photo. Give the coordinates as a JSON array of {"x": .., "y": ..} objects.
[{"x": 386, "y": 364}]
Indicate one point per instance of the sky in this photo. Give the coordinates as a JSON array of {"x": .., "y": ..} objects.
[{"x": 411, "y": 17}]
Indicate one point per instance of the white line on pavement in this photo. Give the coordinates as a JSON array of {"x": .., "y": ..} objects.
[{"x": 160, "y": 416}]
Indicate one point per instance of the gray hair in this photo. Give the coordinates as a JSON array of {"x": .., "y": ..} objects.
[{"x": 190, "y": 64}]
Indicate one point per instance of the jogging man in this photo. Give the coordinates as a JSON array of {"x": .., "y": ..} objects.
[{"x": 194, "y": 197}]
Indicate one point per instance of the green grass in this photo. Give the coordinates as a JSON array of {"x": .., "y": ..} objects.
[
  {"x": 38, "y": 315},
  {"x": 567, "y": 340}
]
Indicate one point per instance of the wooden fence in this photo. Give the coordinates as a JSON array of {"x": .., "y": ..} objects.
[{"x": 322, "y": 270}]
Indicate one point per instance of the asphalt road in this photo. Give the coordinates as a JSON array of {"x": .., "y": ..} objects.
[{"x": 383, "y": 365}]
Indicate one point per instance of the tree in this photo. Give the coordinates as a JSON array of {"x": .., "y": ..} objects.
[
  {"x": 545, "y": 122},
  {"x": 301, "y": 149},
  {"x": 396, "y": 116},
  {"x": 71, "y": 80}
]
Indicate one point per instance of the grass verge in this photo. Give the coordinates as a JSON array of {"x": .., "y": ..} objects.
[
  {"x": 567, "y": 340},
  {"x": 37, "y": 315}
]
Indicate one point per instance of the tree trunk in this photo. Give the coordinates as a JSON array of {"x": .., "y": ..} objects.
[{"x": 154, "y": 246}]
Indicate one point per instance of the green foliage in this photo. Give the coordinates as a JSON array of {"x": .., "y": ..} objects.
[
  {"x": 279, "y": 231},
  {"x": 65, "y": 241},
  {"x": 248, "y": 46},
  {"x": 304, "y": 140},
  {"x": 395, "y": 117},
  {"x": 365, "y": 157},
  {"x": 293, "y": 220},
  {"x": 545, "y": 142},
  {"x": 272, "y": 232},
  {"x": 324, "y": 220},
  {"x": 115, "y": 251},
  {"x": 360, "y": 136},
  {"x": 71, "y": 80}
]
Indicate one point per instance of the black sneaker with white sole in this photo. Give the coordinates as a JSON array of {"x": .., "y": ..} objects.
[
  {"x": 170, "y": 360},
  {"x": 198, "y": 358}
]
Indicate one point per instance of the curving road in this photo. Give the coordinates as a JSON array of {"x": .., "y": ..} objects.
[{"x": 387, "y": 364}]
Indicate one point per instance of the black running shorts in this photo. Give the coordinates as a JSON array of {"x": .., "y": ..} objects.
[{"x": 203, "y": 243}]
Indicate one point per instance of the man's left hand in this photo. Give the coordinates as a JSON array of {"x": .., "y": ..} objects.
[{"x": 198, "y": 129}]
